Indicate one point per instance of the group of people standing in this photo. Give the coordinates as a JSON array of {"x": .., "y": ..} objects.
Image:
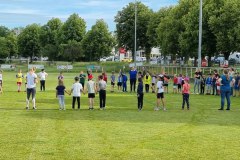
[{"x": 225, "y": 85}]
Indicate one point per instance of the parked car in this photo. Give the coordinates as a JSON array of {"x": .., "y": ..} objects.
[
  {"x": 235, "y": 56},
  {"x": 219, "y": 59},
  {"x": 126, "y": 60}
]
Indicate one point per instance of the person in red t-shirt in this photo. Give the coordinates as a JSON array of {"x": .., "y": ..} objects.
[
  {"x": 175, "y": 83},
  {"x": 185, "y": 93}
]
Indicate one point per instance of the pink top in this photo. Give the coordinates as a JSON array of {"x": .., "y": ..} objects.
[{"x": 186, "y": 88}]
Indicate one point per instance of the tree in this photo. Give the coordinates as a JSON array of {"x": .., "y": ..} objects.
[
  {"x": 98, "y": 41},
  {"x": 224, "y": 24},
  {"x": 154, "y": 22},
  {"x": 4, "y": 50},
  {"x": 12, "y": 44},
  {"x": 73, "y": 29},
  {"x": 71, "y": 51},
  {"x": 4, "y": 31},
  {"x": 125, "y": 20},
  {"x": 49, "y": 38},
  {"x": 29, "y": 42}
]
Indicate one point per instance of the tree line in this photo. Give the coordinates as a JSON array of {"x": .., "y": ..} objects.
[
  {"x": 67, "y": 41},
  {"x": 174, "y": 29}
]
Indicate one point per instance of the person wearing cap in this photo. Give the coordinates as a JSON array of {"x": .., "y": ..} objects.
[
  {"x": 160, "y": 93},
  {"x": 76, "y": 90},
  {"x": 91, "y": 89},
  {"x": 185, "y": 93}
]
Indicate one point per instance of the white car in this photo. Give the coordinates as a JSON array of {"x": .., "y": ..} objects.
[{"x": 235, "y": 56}]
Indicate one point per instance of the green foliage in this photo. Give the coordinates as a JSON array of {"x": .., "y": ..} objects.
[
  {"x": 125, "y": 20},
  {"x": 4, "y": 50},
  {"x": 73, "y": 29},
  {"x": 98, "y": 42},
  {"x": 29, "y": 42},
  {"x": 71, "y": 51},
  {"x": 4, "y": 31}
]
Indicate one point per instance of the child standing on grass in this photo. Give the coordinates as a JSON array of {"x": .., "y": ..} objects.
[
  {"x": 153, "y": 82},
  {"x": 82, "y": 78},
  {"x": 140, "y": 94},
  {"x": 124, "y": 79},
  {"x": 91, "y": 88},
  {"x": 160, "y": 93},
  {"x": 76, "y": 90},
  {"x": 209, "y": 84},
  {"x": 203, "y": 82},
  {"x": 60, "y": 77},
  {"x": 112, "y": 81},
  {"x": 175, "y": 83},
  {"x": 60, "y": 89},
  {"x": 19, "y": 77},
  {"x": 119, "y": 84},
  {"x": 1, "y": 82},
  {"x": 185, "y": 92},
  {"x": 179, "y": 83}
]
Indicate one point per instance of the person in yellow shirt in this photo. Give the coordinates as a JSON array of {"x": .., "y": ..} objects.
[
  {"x": 147, "y": 79},
  {"x": 19, "y": 77}
]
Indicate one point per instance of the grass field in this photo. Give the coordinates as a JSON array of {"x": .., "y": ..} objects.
[{"x": 120, "y": 132}]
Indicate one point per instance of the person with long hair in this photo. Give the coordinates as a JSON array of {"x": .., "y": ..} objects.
[{"x": 225, "y": 89}]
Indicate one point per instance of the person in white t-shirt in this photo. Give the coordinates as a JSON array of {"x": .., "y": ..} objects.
[
  {"x": 160, "y": 93},
  {"x": 31, "y": 87},
  {"x": 76, "y": 90},
  {"x": 1, "y": 81},
  {"x": 42, "y": 75},
  {"x": 91, "y": 88}
]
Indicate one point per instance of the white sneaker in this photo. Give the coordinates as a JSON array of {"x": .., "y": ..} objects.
[
  {"x": 34, "y": 108},
  {"x": 156, "y": 109}
]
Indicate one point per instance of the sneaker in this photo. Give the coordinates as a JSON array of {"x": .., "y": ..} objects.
[
  {"x": 164, "y": 109},
  {"x": 34, "y": 108},
  {"x": 228, "y": 109},
  {"x": 156, "y": 109},
  {"x": 27, "y": 108},
  {"x": 220, "y": 109},
  {"x": 101, "y": 109},
  {"x": 60, "y": 109}
]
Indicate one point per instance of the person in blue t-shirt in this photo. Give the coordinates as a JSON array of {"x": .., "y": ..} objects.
[
  {"x": 133, "y": 79},
  {"x": 124, "y": 81},
  {"x": 140, "y": 94},
  {"x": 236, "y": 86},
  {"x": 209, "y": 83},
  {"x": 225, "y": 89}
]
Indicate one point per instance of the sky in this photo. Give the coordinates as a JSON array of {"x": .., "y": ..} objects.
[{"x": 19, "y": 13}]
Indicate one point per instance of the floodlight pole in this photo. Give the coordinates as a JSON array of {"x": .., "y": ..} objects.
[
  {"x": 200, "y": 36},
  {"x": 135, "y": 36}
]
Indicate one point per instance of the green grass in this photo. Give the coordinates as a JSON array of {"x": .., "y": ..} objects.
[{"x": 120, "y": 132}]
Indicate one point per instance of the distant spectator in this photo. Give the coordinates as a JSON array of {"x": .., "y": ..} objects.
[{"x": 133, "y": 79}]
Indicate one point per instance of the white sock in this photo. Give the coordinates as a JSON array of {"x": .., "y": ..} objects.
[
  {"x": 27, "y": 101},
  {"x": 34, "y": 102}
]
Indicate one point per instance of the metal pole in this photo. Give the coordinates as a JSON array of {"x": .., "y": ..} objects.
[
  {"x": 200, "y": 36},
  {"x": 135, "y": 37}
]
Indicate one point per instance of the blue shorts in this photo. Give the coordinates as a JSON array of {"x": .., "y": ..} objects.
[{"x": 236, "y": 87}]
